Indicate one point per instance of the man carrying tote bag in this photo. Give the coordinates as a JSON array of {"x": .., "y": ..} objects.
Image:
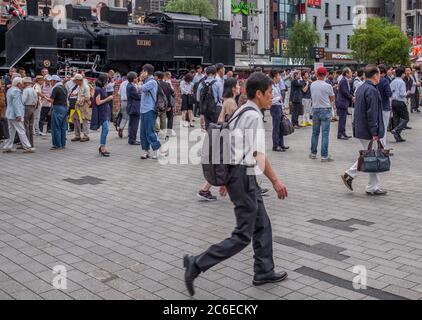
[{"x": 368, "y": 125}]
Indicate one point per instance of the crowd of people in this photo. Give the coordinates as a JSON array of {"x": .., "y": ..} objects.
[
  {"x": 313, "y": 98},
  {"x": 378, "y": 99}
]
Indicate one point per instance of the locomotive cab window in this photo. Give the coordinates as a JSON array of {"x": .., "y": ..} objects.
[{"x": 186, "y": 34}]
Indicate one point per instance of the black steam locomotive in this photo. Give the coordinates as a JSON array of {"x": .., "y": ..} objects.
[{"x": 170, "y": 41}]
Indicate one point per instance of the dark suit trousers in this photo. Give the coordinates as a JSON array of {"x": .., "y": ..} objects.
[
  {"x": 342, "y": 114},
  {"x": 133, "y": 128},
  {"x": 277, "y": 113},
  {"x": 252, "y": 224},
  {"x": 296, "y": 110}
]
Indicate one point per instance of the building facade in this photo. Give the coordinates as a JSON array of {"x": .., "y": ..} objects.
[
  {"x": 339, "y": 16},
  {"x": 250, "y": 27}
]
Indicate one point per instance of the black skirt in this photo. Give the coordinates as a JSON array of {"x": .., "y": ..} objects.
[{"x": 187, "y": 102}]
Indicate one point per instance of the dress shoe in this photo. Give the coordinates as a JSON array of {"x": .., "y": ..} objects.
[
  {"x": 191, "y": 273},
  {"x": 279, "y": 149},
  {"x": 137, "y": 143},
  {"x": 378, "y": 192},
  {"x": 348, "y": 181},
  {"x": 408, "y": 128},
  {"x": 285, "y": 148},
  {"x": 273, "y": 277},
  {"x": 342, "y": 138}
]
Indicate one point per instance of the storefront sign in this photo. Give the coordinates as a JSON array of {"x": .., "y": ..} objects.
[
  {"x": 338, "y": 56},
  {"x": 416, "y": 41},
  {"x": 314, "y": 4},
  {"x": 242, "y": 7}
]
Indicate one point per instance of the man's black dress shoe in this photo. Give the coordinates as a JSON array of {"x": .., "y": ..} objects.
[
  {"x": 279, "y": 149},
  {"x": 408, "y": 128},
  {"x": 273, "y": 277},
  {"x": 285, "y": 148},
  {"x": 191, "y": 273},
  {"x": 137, "y": 143},
  {"x": 343, "y": 138}
]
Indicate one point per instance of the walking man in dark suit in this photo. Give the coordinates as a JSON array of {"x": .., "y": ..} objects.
[
  {"x": 133, "y": 107},
  {"x": 343, "y": 102},
  {"x": 368, "y": 124}
]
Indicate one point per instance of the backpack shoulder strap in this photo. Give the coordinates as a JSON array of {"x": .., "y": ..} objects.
[{"x": 237, "y": 117}]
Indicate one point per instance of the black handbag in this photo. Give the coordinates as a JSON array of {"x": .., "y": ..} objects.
[
  {"x": 286, "y": 126},
  {"x": 374, "y": 161}
]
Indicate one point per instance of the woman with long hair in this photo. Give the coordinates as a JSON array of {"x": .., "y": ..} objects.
[
  {"x": 231, "y": 90},
  {"x": 103, "y": 103},
  {"x": 186, "y": 88}
]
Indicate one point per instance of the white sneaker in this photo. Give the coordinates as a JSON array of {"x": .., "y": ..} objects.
[
  {"x": 154, "y": 155},
  {"x": 186, "y": 125},
  {"x": 29, "y": 150},
  {"x": 171, "y": 133},
  {"x": 42, "y": 134}
]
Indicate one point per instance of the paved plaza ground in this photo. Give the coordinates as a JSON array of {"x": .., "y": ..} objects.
[{"x": 121, "y": 226}]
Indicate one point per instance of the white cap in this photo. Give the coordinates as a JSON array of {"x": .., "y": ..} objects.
[
  {"x": 55, "y": 78},
  {"x": 47, "y": 77}
]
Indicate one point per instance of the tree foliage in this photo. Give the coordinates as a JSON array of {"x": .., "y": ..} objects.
[
  {"x": 380, "y": 42},
  {"x": 196, "y": 7},
  {"x": 302, "y": 37}
]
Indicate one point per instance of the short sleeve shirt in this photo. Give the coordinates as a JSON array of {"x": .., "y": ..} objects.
[
  {"x": 321, "y": 93},
  {"x": 248, "y": 136},
  {"x": 59, "y": 96}
]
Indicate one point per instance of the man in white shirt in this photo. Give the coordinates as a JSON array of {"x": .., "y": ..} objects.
[
  {"x": 37, "y": 115},
  {"x": 123, "y": 107},
  {"x": 253, "y": 223},
  {"x": 30, "y": 101}
]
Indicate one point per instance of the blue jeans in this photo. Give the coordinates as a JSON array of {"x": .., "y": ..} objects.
[
  {"x": 321, "y": 122},
  {"x": 59, "y": 126},
  {"x": 104, "y": 132},
  {"x": 149, "y": 138}
]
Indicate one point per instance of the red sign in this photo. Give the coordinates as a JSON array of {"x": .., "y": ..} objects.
[
  {"x": 416, "y": 41},
  {"x": 314, "y": 4}
]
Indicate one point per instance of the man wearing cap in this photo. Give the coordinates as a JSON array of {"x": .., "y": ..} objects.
[
  {"x": 322, "y": 95},
  {"x": 58, "y": 100},
  {"x": 37, "y": 114},
  {"x": 81, "y": 113},
  {"x": 30, "y": 101},
  {"x": 15, "y": 113}
]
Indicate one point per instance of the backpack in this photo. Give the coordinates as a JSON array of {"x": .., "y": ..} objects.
[
  {"x": 216, "y": 151},
  {"x": 208, "y": 106},
  {"x": 161, "y": 103}
]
